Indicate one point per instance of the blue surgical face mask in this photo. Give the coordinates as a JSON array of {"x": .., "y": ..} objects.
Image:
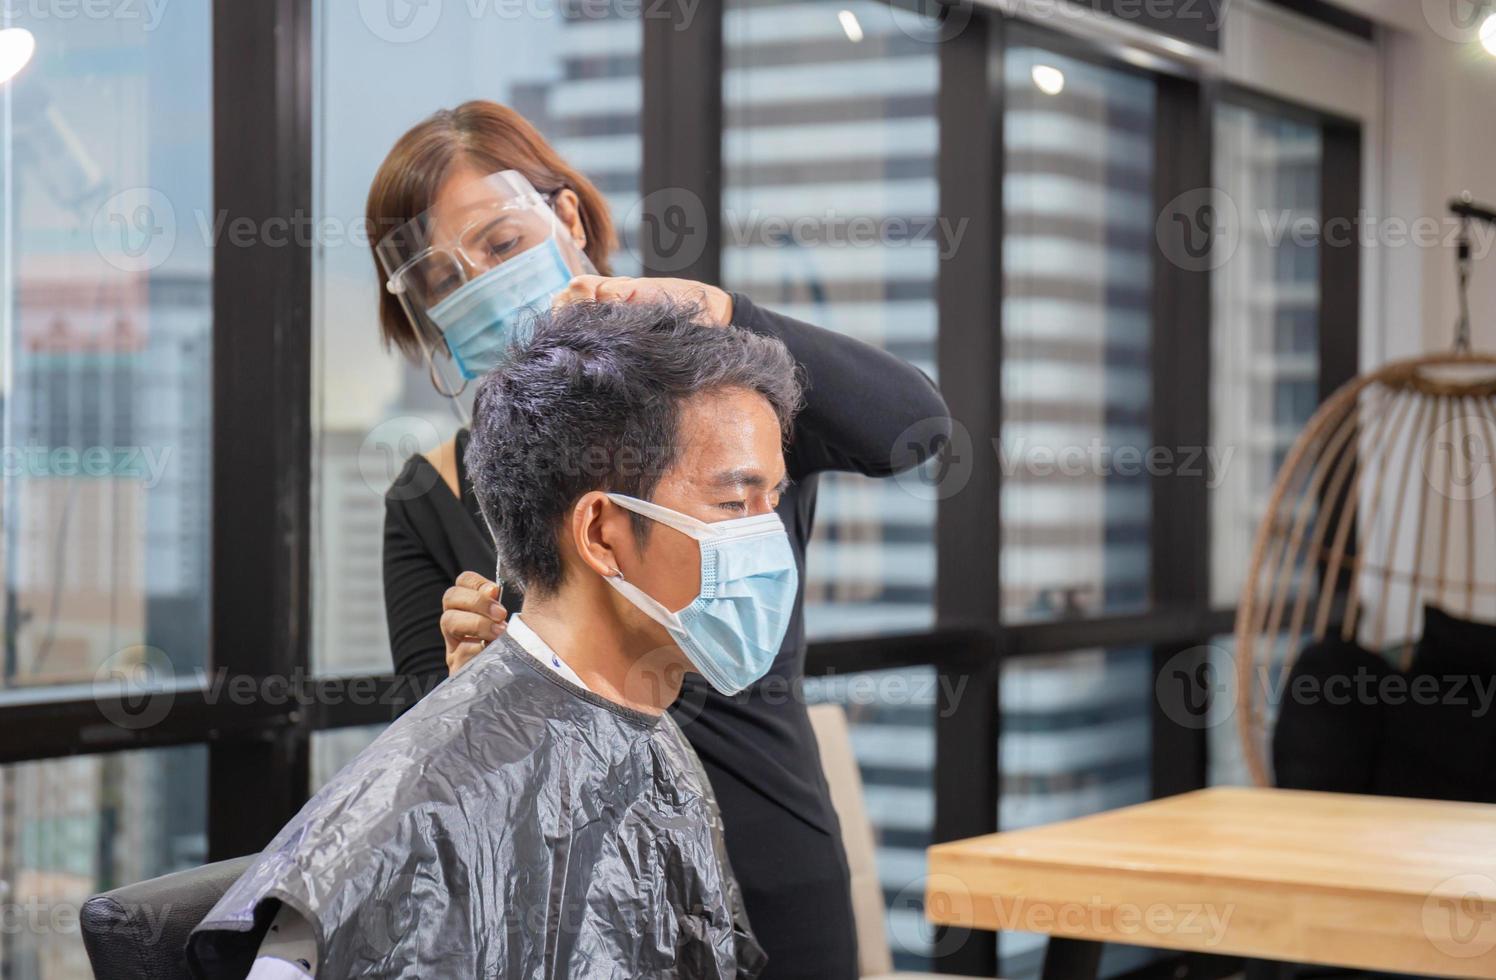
[
  {"x": 732, "y": 630},
  {"x": 482, "y": 319}
]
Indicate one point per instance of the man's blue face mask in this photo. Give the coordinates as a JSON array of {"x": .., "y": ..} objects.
[{"x": 732, "y": 630}]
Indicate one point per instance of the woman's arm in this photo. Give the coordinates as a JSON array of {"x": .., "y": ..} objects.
[
  {"x": 866, "y": 411},
  {"x": 415, "y": 585},
  {"x": 860, "y": 402}
]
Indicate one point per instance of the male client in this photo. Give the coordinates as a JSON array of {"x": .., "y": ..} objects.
[{"x": 539, "y": 815}]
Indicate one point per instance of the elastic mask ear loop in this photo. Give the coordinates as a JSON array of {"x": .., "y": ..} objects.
[
  {"x": 642, "y": 600},
  {"x": 433, "y": 374}
]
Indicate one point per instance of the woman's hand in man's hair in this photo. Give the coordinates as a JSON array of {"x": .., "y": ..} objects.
[
  {"x": 471, "y": 618},
  {"x": 716, "y": 303}
]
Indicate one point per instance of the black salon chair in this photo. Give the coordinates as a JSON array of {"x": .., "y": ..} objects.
[{"x": 139, "y": 932}]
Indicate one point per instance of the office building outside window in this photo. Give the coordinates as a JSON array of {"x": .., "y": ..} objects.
[
  {"x": 106, "y": 230},
  {"x": 1265, "y": 321},
  {"x": 1265, "y": 366}
]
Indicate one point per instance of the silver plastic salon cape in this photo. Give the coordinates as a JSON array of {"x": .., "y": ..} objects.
[{"x": 509, "y": 825}]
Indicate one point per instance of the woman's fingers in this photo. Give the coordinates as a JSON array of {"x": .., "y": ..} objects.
[
  {"x": 476, "y": 582},
  {"x": 716, "y": 303},
  {"x": 484, "y": 601},
  {"x": 462, "y": 654},
  {"x": 460, "y": 626},
  {"x": 471, "y": 618},
  {"x": 580, "y": 289},
  {"x": 623, "y": 289}
]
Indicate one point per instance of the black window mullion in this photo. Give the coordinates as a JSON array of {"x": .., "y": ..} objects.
[
  {"x": 681, "y": 129},
  {"x": 1180, "y": 526},
  {"x": 1339, "y": 255},
  {"x": 262, "y": 152},
  {"x": 1339, "y": 280},
  {"x": 968, "y": 530}
]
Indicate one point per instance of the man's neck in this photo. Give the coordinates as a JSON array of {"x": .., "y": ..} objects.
[{"x": 612, "y": 660}]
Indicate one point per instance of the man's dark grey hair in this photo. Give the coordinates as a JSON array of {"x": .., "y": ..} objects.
[{"x": 592, "y": 402}]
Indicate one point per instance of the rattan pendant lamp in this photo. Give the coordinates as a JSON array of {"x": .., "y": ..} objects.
[{"x": 1384, "y": 503}]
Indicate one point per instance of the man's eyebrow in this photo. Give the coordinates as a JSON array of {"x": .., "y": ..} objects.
[{"x": 750, "y": 478}]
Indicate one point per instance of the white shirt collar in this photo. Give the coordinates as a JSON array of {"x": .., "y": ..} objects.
[{"x": 530, "y": 641}]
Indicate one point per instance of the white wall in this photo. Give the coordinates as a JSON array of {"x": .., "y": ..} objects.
[
  {"x": 1426, "y": 96},
  {"x": 1438, "y": 138}
]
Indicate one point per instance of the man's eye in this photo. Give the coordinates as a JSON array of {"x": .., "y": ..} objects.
[{"x": 736, "y": 506}]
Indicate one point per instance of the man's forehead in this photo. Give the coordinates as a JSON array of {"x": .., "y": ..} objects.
[{"x": 730, "y": 439}]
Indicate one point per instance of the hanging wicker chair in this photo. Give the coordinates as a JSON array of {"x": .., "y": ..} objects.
[{"x": 1384, "y": 503}]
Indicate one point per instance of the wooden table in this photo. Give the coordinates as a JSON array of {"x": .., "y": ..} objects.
[{"x": 1357, "y": 881}]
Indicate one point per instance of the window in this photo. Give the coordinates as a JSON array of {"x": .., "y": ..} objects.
[
  {"x": 1076, "y": 330},
  {"x": 1265, "y": 321},
  {"x": 832, "y": 120},
  {"x": 572, "y": 70},
  {"x": 106, "y": 316},
  {"x": 830, "y": 215},
  {"x": 72, "y": 827}
]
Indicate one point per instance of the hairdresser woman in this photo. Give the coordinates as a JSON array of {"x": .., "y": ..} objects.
[{"x": 758, "y": 748}]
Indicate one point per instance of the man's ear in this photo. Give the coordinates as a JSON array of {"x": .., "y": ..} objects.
[
  {"x": 568, "y": 208},
  {"x": 598, "y": 531}
]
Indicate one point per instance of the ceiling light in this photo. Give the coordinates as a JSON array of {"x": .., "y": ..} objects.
[
  {"x": 850, "y": 25},
  {"x": 1488, "y": 34},
  {"x": 17, "y": 45},
  {"x": 1050, "y": 80}
]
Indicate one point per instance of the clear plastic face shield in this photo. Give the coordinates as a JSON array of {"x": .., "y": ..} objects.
[{"x": 474, "y": 270}]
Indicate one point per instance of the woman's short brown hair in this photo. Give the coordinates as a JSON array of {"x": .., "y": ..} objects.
[{"x": 486, "y": 136}]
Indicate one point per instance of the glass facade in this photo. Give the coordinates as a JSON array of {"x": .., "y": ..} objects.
[
  {"x": 891, "y": 715},
  {"x": 106, "y": 231},
  {"x": 70, "y": 828},
  {"x": 1077, "y": 333},
  {"x": 1076, "y": 739},
  {"x": 105, "y": 343},
  {"x": 575, "y": 75},
  {"x": 1264, "y": 322}
]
